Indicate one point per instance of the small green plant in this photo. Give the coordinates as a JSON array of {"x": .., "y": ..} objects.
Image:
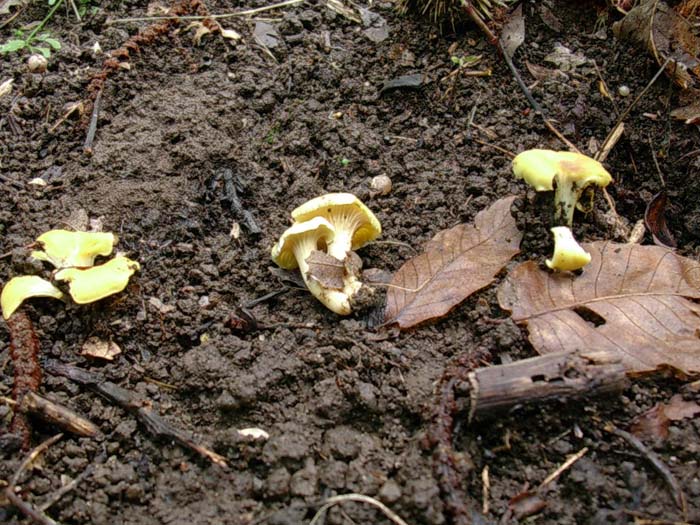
[
  {"x": 37, "y": 40},
  {"x": 34, "y": 43},
  {"x": 465, "y": 61},
  {"x": 344, "y": 162},
  {"x": 272, "y": 135}
]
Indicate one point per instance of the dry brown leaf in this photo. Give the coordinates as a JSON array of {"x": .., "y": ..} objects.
[
  {"x": 666, "y": 34},
  {"x": 689, "y": 114},
  {"x": 631, "y": 304},
  {"x": 655, "y": 220},
  {"x": 100, "y": 349},
  {"x": 654, "y": 422},
  {"x": 678, "y": 408},
  {"x": 326, "y": 269},
  {"x": 456, "y": 263}
]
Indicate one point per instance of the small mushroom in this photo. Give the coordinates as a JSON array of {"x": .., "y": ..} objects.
[
  {"x": 294, "y": 249},
  {"x": 565, "y": 172},
  {"x": 568, "y": 254},
  {"x": 20, "y": 288},
  {"x": 66, "y": 249},
  {"x": 353, "y": 223},
  {"x": 92, "y": 284}
]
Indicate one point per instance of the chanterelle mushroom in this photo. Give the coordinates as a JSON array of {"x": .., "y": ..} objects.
[
  {"x": 568, "y": 254},
  {"x": 65, "y": 249},
  {"x": 566, "y": 172},
  {"x": 354, "y": 224},
  {"x": 92, "y": 284},
  {"x": 293, "y": 250},
  {"x": 20, "y": 288}
]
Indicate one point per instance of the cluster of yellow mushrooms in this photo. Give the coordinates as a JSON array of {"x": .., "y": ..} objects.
[
  {"x": 322, "y": 242},
  {"x": 569, "y": 175},
  {"x": 73, "y": 255}
]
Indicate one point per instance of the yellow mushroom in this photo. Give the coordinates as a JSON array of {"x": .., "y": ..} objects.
[
  {"x": 20, "y": 288},
  {"x": 66, "y": 249},
  {"x": 353, "y": 222},
  {"x": 568, "y": 254},
  {"x": 565, "y": 172},
  {"x": 92, "y": 284},
  {"x": 294, "y": 248}
]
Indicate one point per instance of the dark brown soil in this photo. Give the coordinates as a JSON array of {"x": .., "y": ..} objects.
[{"x": 346, "y": 409}]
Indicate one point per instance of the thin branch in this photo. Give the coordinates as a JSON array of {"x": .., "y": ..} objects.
[
  {"x": 636, "y": 101},
  {"x": 564, "y": 466},
  {"x": 153, "y": 422},
  {"x": 661, "y": 468},
  {"x": 361, "y": 498},
  {"x": 27, "y": 509},
  {"x": 247, "y": 12}
]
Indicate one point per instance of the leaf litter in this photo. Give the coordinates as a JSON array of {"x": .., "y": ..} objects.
[
  {"x": 456, "y": 263},
  {"x": 654, "y": 423},
  {"x": 666, "y": 35},
  {"x": 632, "y": 304}
]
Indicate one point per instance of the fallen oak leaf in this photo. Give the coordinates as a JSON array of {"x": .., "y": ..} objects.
[
  {"x": 655, "y": 221},
  {"x": 678, "y": 408},
  {"x": 100, "y": 349},
  {"x": 631, "y": 304},
  {"x": 456, "y": 263},
  {"x": 689, "y": 114},
  {"x": 655, "y": 421},
  {"x": 667, "y": 35},
  {"x": 326, "y": 269}
]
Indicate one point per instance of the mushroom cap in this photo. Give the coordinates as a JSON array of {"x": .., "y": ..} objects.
[
  {"x": 64, "y": 248},
  {"x": 92, "y": 284},
  {"x": 283, "y": 251},
  {"x": 339, "y": 204},
  {"x": 20, "y": 288},
  {"x": 538, "y": 167}
]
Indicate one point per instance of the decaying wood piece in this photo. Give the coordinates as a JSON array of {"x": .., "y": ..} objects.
[
  {"x": 562, "y": 375},
  {"x": 50, "y": 411}
]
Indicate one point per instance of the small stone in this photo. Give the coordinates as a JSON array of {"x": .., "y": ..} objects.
[
  {"x": 390, "y": 491},
  {"x": 624, "y": 91},
  {"x": 380, "y": 185},
  {"x": 37, "y": 63}
]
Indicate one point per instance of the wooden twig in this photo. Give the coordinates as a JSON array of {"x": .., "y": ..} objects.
[
  {"x": 50, "y": 411},
  {"x": 24, "y": 507},
  {"x": 564, "y": 375},
  {"x": 626, "y": 112},
  {"x": 573, "y": 458},
  {"x": 92, "y": 129},
  {"x": 659, "y": 466},
  {"x": 65, "y": 489},
  {"x": 535, "y": 105},
  {"x": 246, "y": 12},
  {"x": 361, "y": 498},
  {"x": 155, "y": 424}
]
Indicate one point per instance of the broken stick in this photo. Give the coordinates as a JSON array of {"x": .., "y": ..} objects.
[
  {"x": 50, "y": 411},
  {"x": 155, "y": 424},
  {"x": 553, "y": 376}
]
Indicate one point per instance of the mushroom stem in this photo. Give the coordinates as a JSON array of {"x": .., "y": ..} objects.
[
  {"x": 566, "y": 195},
  {"x": 335, "y": 300}
]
